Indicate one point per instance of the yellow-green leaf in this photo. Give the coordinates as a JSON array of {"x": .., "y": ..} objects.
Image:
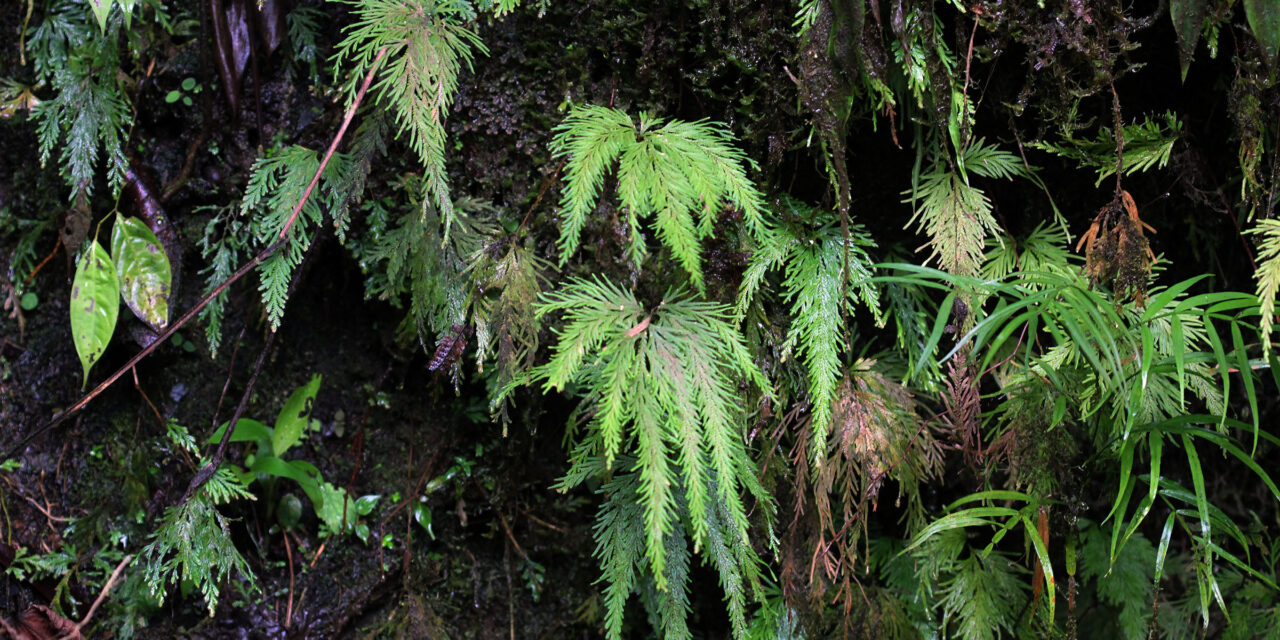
[
  {"x": 143, "y": 269},
  {"x": 101, "y": 9},
  {"x": 292, "y": 421},
  {"x": 95, "y": 302}
]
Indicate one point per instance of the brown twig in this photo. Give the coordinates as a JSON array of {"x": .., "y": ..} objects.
[
  {"x": 288, "y": 612},
  {"x": 190, "y": 314},
  {"x": 46, "y": 259},
  {"x": 102, "y": 595}
]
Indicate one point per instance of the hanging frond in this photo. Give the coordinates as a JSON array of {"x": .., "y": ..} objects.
[
  {"x": 815, "y": 266},
  {"x": 506, "y": 326},
  {"x": 91, "y": 111},
  {"x": 193, "y": 545},
  {"x": 681, "y": 173},
  {"x": 956, "y": 217},
  {"x": 1268, "y": 275},
  {"x": 421, "y": 263},
  {"x": 662, "y": 387},
  {"x": 276, "y": 187},
  {"x": 427, "y": 43},
  {"x": 1147, "y": 144}
]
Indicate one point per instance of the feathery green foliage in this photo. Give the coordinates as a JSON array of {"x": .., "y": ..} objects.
[
  {"x": 429, "y": 268},
  {"x": 506, "y": 326},
  {"x": 1268, "y": 275},
  {"x": 278, "y": 184},
  {"x": 427, "y": 42},
  {"x": 983, "y": 596},
  {"x": 662, "y": 389},
  {"x": 192, "y": 543},
  {"x": 91, "y": 110},
  {"x": 1147, "y": 144},
  {"x": 1125, "y": 583},
  {"x": 815, "y": 266},
  {"x": 956, "y": 216},
  {"x": 226, "y": 239},
  {"x": 681, "y": 173}
]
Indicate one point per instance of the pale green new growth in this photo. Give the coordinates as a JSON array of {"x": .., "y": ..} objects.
[
  {"x": 662, "y": 387},
  {"x": 956, "y": 216},
  {"x": 681, "y": 173},
  {"x": 1268, "y": 275},
  {"x": 427, "y": 43}
]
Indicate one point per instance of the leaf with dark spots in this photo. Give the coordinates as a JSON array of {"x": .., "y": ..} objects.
[
  {"x": 95, "y": 303},
  {"x": 143, "y": 271},
  {"x": 139, "y": 185}
]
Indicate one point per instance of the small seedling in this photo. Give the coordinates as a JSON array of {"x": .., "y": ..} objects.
[{"x": 189, "y": 88}]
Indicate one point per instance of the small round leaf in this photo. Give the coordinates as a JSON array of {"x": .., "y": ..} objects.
[{"x": 29, "y": 301}]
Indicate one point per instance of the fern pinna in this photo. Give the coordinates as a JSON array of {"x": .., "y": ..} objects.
[{"x": 661, "y": 387}]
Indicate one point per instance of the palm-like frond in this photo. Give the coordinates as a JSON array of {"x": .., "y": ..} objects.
[{"x": 681, "y": 173}]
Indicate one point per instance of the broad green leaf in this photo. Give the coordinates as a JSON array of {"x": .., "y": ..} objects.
[
  {"x": 422, "y": 516},
  {"x": 309, "y": 482},
  {"x": 143, "y": 269},
  {"x": 365, "y": 504},
  {"x": 101, "y": 9},
  {"x": 95, "y": 303},
  {"x": 1187, "y": 16},
  {"x": 293, "y": 418},
  {"x": 1264, "y": 21},
  {"x": 246, "y": 430}
]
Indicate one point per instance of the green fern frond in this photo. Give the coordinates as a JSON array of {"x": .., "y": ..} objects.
[
  {"x": 619, "y": 536},
  {"x": 278, "y": 183},
  {"x": 956, "y": 217},
  {"x": 1045, "y": 250},
  {"x": 226, "y": 238},
  {"x": 815, "y": 266},
  {"x": 193, "y": 545},
  {"x": 990, "y": 161},
  {"x": 506, "y": 327},
  {"x": 91, "y": 111},
  {"x": 1127, "y": 583},
  {"x": 1268, "y": 275},
  {"x": 984, "y": 596},
  {"x": 427, "y": 43},
  {"x": 1147, "y": 144},
  {"x": 663, "y": 390},
  {"x": 680, "y": 173},
  {"x": 420, "y": 262}
]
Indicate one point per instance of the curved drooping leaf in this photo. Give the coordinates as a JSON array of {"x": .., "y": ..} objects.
[
  {"x": 1187, "y": 15},
  {"x": 143, "y": 269},
  {"x": 1264, "y": 21},
  {"x": 95, "y": 303},
  {"x": 293, "y": 418}
]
